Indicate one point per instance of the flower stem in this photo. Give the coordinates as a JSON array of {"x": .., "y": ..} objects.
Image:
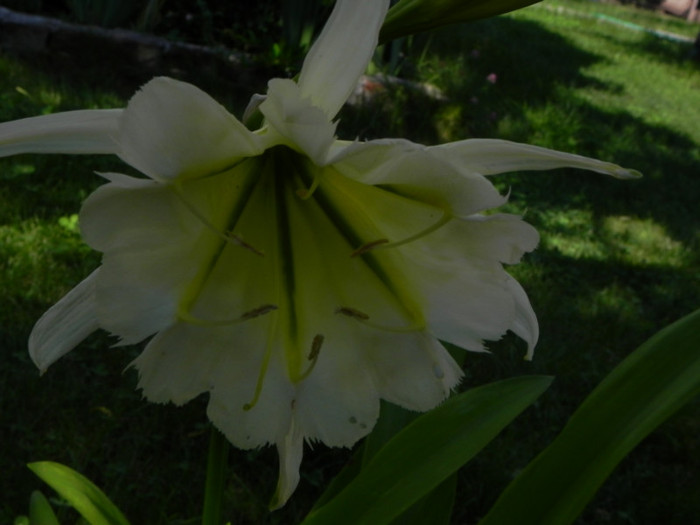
[{"x": 216, "y": 475}]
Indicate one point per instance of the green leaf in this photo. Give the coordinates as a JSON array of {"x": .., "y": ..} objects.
[
  {"x": 40, "y": 511},
  {"x": 413, "y": 16},
  {"x": 342, "y": 479},
  {"x": 80, "y": 492},
  {"x": 428, "y": 451},
  {"x": 645, "y": 389},
  {"x": 435, "y": 508},
  {"x": 392, "y": 419}
]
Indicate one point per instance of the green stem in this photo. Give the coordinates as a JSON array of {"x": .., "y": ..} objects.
[{"x": 216, "y": 476}]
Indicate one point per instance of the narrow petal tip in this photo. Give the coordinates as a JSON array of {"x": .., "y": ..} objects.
[
  {"x": 626, "y": 174},
  {"x": 290, "y": 450},
  {"x": 64, "y": 325}
]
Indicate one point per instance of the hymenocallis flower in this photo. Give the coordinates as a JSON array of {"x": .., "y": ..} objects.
[{"x": 294, "y": 277}]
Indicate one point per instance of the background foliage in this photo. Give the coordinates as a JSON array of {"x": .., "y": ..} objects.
[{"x": 618, "y": 260}]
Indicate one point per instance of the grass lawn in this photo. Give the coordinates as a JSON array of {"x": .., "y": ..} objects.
[{"x": 617, "y": 261}]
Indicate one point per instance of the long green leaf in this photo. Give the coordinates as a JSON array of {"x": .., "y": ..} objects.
[
  {"x": 435, "y": 508},
  {"x": 40, "y": 511},
  {"x": 413, "y": 16},
  {"x": 80, "y": 492},
  {"x": 646, "y": 388},
  {"x": 428, "y": 451}
]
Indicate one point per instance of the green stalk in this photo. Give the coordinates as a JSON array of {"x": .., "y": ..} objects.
[{"x": 216, "y": 476}]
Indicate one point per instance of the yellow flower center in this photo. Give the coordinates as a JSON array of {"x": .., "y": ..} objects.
[{"x": 308, "y": 246}]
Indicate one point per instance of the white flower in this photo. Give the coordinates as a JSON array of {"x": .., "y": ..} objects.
[{"x": 294, "y": 277}]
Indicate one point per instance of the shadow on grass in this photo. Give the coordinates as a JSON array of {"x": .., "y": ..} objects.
[{"x": 593, "y": 310}]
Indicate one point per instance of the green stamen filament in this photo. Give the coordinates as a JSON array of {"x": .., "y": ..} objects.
[
  {"x": 351, "y": 312},
  {"x": 187, "y": 317},
  {"x": 238, "y": 241},
  {"x": 229, "y": 238},
  {"x": 316, "y": 347},
  {"x": 364, "y": 319},
  {"x": 369, "y": 246},
  {"x": 381, "y": 244},
  {"x": 313, "y": 356},
  {"x": 263, "y": 368},
  {"x": 305, "y": 194}
]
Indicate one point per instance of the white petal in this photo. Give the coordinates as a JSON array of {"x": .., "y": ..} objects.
[
  {"x": 492, "y": 156},
  {"x": 419, "y": 173},
  {"x": 187, "y": 360},
  {"x": 412, "y": 370},
  {"x": 500, "y": 237},
  {"x": 90, "y": 131},
  {"x": 65, "y": 324},
  {"x": 525, "y": 325},
  {"x": 173, "y": 130},
  {"x": 465, "y": 304},
  {"x": 338, "y": 402},
  {"x": 290, "y": 451},
  {"x": 341, "y": 53},
  {"x": 140, "y": 284},
  {"x": 303, "y": 126},
  {"x": 467, "y": 296},
  {"x": 156, "y": 246}
]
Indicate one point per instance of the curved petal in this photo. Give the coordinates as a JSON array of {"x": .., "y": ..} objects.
[
  {"x": 65, "y": 324},
  {"x": 419, "y": 173},
  {"x": 500, "y": 237},
  {"x": 525, "y": 326},
  {"x": 338, "y": 402},
  {"x": 465, "y": 305},
  {"x": 341, "y": 53},
  {"x": 172, "y": 130},
  {"x": 139, "y": 285},
  {"x": 493, "y": 156},
  {"x": 467, "y": 295},
  {"x": 158, "y": 244},
  {"x": 412, "y": 370},
  {"x": 303, "y": 126},
  {"x": 290, "y": 451},
  {"x": 90, "y": 131}
]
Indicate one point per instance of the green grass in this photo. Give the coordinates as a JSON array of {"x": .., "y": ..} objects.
[{"x": 618, "y": 260}]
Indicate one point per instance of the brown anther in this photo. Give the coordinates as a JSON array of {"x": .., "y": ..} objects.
[
  {"x": 351, "y": 312},
  {"x": 368, "y": 247},
  {"x": 316, "y": 346},
  {"x": 236, "y": 239},
  {"x": 257, "y": 312}
]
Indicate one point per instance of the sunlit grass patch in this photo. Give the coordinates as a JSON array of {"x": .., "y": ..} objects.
[
  {"x": 642, "y": 242},
  {"x": 39, "y": 260},
  {"x": 627, "y": 240}
]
